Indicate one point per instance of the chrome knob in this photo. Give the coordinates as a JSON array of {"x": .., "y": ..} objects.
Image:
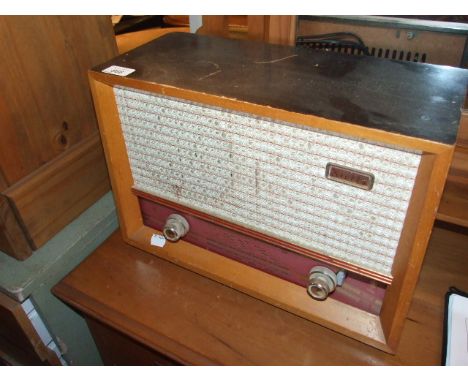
[
  {"x": 175, "y": 228},
  {"x": 322, "y": 282}
]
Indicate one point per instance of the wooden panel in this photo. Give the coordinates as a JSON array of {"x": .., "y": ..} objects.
[
  {"x": 454, "y": 204},
  {"x": 177, "y": 20},
  {"x": 45, "y": 101},
  {"x": 47, "y": 112},
  {"x": 282, "y": 30},
  {"x": 187, "y": 316},
  {"x": 462, "y": 138},
  {"x": 413, "y": 243},
  {"x": 119, "y": 350},
  {"x": 18, "y": 338},
  {"x": 11, "y": 355},
  {"x": 3, "y": 182},
  {"x": 129, "y": 41},
  {"x": 51, "y": 197},
  {"x": 257, "y": 27},
  {"x": 234, "y": 27},
  {"x": 12, "y": 237},
  {"x": 214, "y": 25}
]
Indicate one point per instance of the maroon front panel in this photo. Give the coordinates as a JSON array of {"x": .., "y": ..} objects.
[{"x": 357, "y": 291}]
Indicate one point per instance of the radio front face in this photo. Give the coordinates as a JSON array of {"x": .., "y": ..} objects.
[
  {"x": 285, "y": 197},
  {"x": 311, "y": 219},
  {"x": 287, "y": 174}
]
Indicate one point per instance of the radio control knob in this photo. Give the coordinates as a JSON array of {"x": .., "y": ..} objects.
[
  {"x": 175, "y": 228},
  {"x": 322, "y": 282}
]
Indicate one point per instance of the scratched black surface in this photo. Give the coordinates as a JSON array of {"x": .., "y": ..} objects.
[{"x": 414, "y": 99}]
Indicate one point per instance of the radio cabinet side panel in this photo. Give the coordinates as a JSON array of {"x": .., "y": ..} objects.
[
  {"x": 116, "y": 157},
  {"x": 414, "y": 240},
  {"x": 454, "y": 204}
]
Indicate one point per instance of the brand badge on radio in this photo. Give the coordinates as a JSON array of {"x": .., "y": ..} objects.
[{"x": 349, "y": 176}]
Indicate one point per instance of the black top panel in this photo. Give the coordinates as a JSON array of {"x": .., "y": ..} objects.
[{"x": 413, "y": 99}]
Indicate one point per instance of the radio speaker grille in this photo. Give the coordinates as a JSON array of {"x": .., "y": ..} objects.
[{"x": 269, "y": 176}]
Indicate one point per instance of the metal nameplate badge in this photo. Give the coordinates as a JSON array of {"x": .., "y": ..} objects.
[{"x": 349, "y": 176}]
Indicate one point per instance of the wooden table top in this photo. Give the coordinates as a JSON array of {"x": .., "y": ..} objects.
[{"x": 198, "y": 321}]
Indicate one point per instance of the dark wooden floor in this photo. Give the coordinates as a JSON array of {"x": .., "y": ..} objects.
[{"x": 198, "y": 321}]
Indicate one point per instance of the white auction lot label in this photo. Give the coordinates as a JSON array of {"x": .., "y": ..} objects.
[
  {"x": 158, "y": 240},
  {"x": 118, "y": 70}
]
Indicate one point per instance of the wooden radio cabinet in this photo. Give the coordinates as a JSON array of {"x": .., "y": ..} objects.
[{"x": 292, "y": 173}]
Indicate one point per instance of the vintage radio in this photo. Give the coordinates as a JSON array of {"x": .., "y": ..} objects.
[{"x": 307, "y": 179}]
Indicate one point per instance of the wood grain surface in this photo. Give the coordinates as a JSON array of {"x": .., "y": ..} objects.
[
  {"x": 45, "y": 102},
  {"x": 257, "y": 27},
  {"x": 215, "y": 26},
  {"x": 3, "y": 182},
  {"x": 12, "y": 237},
  {"x": 271, "y": 29},
  {"x": 47, "y": 115},
  {"x": 454, "y": 204},
  {"x": 51, "y": 197},
  {"x": 282, "y": 30},
  {"x": 194, "y": 320}
]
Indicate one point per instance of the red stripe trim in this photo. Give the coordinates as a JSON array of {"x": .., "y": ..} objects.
[{"x": 280, "y": 243}]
